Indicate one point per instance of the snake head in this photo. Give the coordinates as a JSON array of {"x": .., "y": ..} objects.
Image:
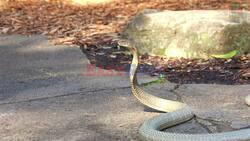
[
  {"x": 125, "y": 43},
  {"x": 128, "y": 44}
]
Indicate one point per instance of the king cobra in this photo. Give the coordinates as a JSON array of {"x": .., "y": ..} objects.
[{"x": 176, "y": 113}]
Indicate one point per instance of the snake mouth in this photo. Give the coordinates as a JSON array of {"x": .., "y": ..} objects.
[{"x": 124, "y": 45}]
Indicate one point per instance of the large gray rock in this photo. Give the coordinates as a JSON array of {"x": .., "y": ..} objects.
[{"x": 190, "y": 34}]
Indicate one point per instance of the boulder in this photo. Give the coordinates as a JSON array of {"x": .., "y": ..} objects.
[{"x": 190, "y": 34}]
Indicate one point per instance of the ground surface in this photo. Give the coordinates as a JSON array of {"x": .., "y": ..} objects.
[{"x": 45, "y": 94}]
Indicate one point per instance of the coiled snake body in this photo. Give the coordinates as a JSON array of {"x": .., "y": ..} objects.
[{"x": 177, "y": 113}]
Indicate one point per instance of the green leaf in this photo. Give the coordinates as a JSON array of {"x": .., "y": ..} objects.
[
  {"x": 162, "y": 76},
  {"x": 228, "y": 55},
  {"x": 161, "y": 79}
]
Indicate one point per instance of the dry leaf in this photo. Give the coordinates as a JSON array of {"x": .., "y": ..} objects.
[
  {"x": 246, "y": 73},
  {"x": 5, "y": 30},
  {"x": 66, "y": 40}
]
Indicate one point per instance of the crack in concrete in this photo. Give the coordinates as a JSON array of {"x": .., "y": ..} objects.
[
  {"x": 203, "y": 125},
  {"x": 177, "y": 94},
  {"x": 215, "y": 122},
  {"x": 179, "y": 98},
  {"x": 58, "y": 96}
]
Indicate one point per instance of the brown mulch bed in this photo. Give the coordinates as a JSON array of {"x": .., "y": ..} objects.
[{"x": 94, "y": 26}]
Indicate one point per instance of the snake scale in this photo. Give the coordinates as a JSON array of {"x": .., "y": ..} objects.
[{"x": 177, "y": 113}]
